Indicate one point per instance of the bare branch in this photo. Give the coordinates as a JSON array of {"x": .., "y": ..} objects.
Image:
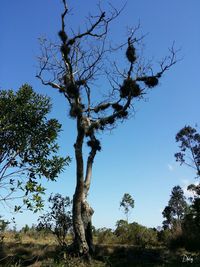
[{"x": 64, "y": 14}]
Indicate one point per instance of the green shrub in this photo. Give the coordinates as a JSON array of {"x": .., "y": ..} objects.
[
  {"x": 105, "y": 236},
  {"x": 58, "y": 220},
  {"x": 135, "y": 234}
]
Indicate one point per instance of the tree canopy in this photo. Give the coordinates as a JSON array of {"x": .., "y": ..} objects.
[
  {"x": 189, "y": 144},
  {"x": 127, "y": 203},
  {"x": 175, "y": 210},
  {"x": 28, "y": 147}
]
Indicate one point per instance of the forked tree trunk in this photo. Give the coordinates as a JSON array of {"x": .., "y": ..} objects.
[
  {"x": 82, "y": 212},
  {"x": 82, "y": 223},
  {"x": 79, "y": 231}
]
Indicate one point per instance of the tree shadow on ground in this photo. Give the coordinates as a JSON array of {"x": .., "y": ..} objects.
[{"x": 29, "y": 254}]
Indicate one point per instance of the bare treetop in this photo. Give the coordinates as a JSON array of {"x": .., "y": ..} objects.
[{"x": 83, "y": 60}]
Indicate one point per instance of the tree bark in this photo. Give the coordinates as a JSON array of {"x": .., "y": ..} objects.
[
  {"x": 80, "y": 243},
  {"x": 82, "y": 212},
  {"x": 87, "y": 213}
]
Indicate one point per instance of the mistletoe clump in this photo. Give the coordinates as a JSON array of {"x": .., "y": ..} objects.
[
  {"x": 63, "y": 36},
  {"x": 130, "y": 88},
  {"x": 130, "y": 53},
  {"x": 95, "y": 144},
  {"x": 123, "y": 114},
  {"x": 151, "y": 81},
  {"x": 117, "y": 107}
]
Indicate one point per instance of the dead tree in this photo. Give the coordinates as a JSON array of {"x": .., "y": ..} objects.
[{"x": 74, "y": 67}]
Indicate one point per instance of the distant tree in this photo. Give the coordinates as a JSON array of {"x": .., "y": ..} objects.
[
  {"x": 58, "y": 220},
  {"x": 3, "y": 226},
  {"x": 176, "y": 209},
  {"x": 135, "y": 234},
  {"x": 190, "y": 237},
  {"x": 127, "y": 203},
  {"x": 25, "y": 229},
  {"x": 189, "y": 144},
  {"x": 165, "y": 236},
  {"x": 168, "y": 215},
  {"x": 100, "y": 92},
  {"x": 122, "y": 231},
  {"x": 28, "y": 148},
  {"x": 189, "y": 140}
]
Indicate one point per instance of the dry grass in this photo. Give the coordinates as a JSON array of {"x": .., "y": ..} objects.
[
  {"x": 22, "y": 238},
  {"x": 43, "y": 251},
  {"x": 37, "y": 251}
]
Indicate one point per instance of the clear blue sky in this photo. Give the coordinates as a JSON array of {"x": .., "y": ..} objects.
[{"x": 137, "y": 157}]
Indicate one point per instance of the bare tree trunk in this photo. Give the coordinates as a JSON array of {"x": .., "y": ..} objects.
[
  {"x": 87, "y": 211},
  {"x": 82, "y": 212},
  {"x": 82, "y": 223},
  {"x": 80, "y": 243}
]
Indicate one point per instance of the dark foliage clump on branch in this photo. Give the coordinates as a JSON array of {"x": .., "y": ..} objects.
[
  {"x": 72, "y": 90},
  {"x": 130, "y": 88},
  {"x": 101, "y": 107},
  {"x": 117, "y": 106},
  {"x": 123, "y": 114},
  {"x": 63, "y": 36},
  {"x": 130, "y": 53},
  {"x": 95, "y": 144},
  {"x": 111, "y": 120},
  {"x": 151, "y": 81}
]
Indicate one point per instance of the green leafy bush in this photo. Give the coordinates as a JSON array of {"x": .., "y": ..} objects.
[
  {"x": 106, "y": 236},
  {"x": 59, "y": 219},
  {"x": 135, "y": 234}
]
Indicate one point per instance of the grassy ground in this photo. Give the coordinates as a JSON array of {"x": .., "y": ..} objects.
[
  {"x": 42, "y": 251},
  {"x": 37, "y": 251}
]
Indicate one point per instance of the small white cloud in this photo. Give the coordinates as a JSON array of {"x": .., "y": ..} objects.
[{"x": 170, "y": 167}]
